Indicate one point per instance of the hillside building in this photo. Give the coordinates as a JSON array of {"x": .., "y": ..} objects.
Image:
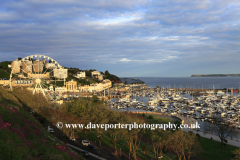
[
  {"x": 26, "y": 66},
  {"x": 80, "y": 75},
  {"x": 60, "y": 73},
  {"x": 16, "y": 66},
  {"x": 96, "y": 87},
  {"x": 50, "y": 65},
  {"x": 37, "y": 66},
  {"x": 46, "y": 75},
  {"x": 71, "y": 85},
  {"x": 97, "y": 75}
]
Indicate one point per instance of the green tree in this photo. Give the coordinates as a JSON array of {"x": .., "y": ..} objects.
[
  {"x": 160, "y": 141},
  {"x": 145, "y": 151},
  {"x": 133, "y": 136},
  {"x": 237, "y": 154},
  {"x": 115, "y": 134}
]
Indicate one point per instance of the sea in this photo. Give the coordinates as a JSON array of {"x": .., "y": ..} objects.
[
  {"x": 188, "y": 82},
  {"x": 185, "y": 82}
]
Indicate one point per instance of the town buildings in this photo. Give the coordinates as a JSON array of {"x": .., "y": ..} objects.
[
  {"x": 45, "y": 75},
  {"x": 96, "y": 87},
  {"x": 81, "y": 74},
  {"x": 71, "y": 85},
  {"x": 60, "y": 73},
  {"x": 97, "y": 75}
]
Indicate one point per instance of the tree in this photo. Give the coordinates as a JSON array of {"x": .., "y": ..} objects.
[
  {"x": 178, "y": 143},
  {"x": 83, "y": 109},
  {"x": 134, "y": 135},
  {"x": 221, "y": 130},
  {"x": 145, "y": 151},
  {"x": 160, "y": 140},
  {"x": 237, "y": 154},
  {"x": 193, "y": 146},
  {"x": 58, "y": 115},
  {"x": 115, "y": 133},
  {"x": 234, "y": 132},
  {"x": 102, "y": 117},
  {"x": 178, "y": 123},
  {"x": 95, "y": 99},
  {"x": 106, "y": 72}
]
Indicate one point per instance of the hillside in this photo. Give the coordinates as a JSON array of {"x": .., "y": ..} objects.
[
  {"x": 5, "y": 73},
  {"x": 88, "y": 80},
  {"x": 4, "y": 70},
  {"x": 23, "y": 137}
]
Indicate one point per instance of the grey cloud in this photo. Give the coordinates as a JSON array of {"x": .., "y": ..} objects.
[{"x": 110, "y": 33}]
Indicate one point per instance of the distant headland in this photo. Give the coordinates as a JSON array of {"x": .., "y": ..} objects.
[{"x": 216, "y": 75}]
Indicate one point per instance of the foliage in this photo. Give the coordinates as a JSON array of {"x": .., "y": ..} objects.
[
  {"x": 111, "y": 77},
  {"x": 178, "y": 123},
  {"x": 150, "y": 117},
  {"x": 85, "y": 110},
  {"x": 4, "y": 66},
  {"x": 58, "y": 83},
  {"x": 4, "y": 74},
  {"x": 22, "y": 136},
  {"x": 186, "y": 143},
  {"x": 95, "y": 99},
  {"x": 160, "y": 140},
  {"x": 198, "y": 135},
  {"x": 221, "y": 130},
  {"x": 157, "y": 119},
  {"x": 237, "y": 154},
  {"x": 88, "y": 72},
  {"x": 83, "y": 82}
]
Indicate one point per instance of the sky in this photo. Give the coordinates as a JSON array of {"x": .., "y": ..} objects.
[{"x": 129, "y": 38}]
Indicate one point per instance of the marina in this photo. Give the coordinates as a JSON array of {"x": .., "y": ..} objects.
[{"x": 188, "y": 106}]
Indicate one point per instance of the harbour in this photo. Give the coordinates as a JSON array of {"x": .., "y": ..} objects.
[{"x": 184, "y": 105}]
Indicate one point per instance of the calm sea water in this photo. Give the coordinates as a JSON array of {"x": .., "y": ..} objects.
[{"x": 191, "y": 82}]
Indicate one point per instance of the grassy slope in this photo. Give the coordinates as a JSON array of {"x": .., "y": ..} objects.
[
  {"x": 212, "y": 150},
  {"x": 22, "y": 136}
]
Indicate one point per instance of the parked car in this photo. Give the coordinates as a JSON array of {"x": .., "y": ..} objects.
[
  {"x": 72, "y": 139},
  {"x": 85, "y": 142},
  {"x": 91, "y": 146},
  {"x": 50, "y": 129},
  {"x": 84, "y": 153}
]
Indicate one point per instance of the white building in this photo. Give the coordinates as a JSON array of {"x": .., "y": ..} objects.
[
  {"x": 97, "y": 75},
  {"x": 50, "y": 65},
  {"x": 23, "y": 82},
  {"x": 60, "y": 73},
  {"x": 97, "y": 87},
  {"x": 60, "y": 89},
  {"x": 80, "y": 75}
]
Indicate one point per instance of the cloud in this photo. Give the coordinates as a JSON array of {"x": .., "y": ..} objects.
[{"x": 139, "y": 34}]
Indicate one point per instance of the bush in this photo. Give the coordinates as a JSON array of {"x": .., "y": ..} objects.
[
  {"x": 52, "y": 157},
  {"x": 198, "y": 135},
  {"x": 143, "y": 114},
  {"x": 150, "y": 117}
]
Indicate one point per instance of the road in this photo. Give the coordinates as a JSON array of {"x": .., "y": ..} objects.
[{"x": 94, "y": 154}]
